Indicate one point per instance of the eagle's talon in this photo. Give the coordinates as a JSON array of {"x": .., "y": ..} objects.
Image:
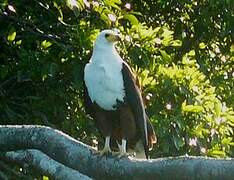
[
  {"x": 105, "y": 152},
  {"x": 97, "y": 153},
  {"x": 114, "y": 153},
  {"x": 123, "y": 155}
]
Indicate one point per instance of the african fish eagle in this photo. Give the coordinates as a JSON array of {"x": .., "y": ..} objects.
[{"x": 114, "y": 100}]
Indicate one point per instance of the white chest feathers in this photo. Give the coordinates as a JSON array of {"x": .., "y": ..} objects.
[{"x": 104, "y": 82}]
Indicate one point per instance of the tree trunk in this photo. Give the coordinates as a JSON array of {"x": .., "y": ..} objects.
[{"x": 73, "y": 155}]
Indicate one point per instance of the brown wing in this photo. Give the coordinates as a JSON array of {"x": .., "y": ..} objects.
[{"x": 134, "y": 99}]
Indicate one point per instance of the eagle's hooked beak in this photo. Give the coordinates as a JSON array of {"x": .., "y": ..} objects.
[
  {"x": 117, "y": 37},
  {"x": 113, "y": 37}
]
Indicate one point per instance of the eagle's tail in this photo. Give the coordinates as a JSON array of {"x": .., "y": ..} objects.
[
  {"x": 145, "y": 137},
  {"x": 149, "y": 137}
]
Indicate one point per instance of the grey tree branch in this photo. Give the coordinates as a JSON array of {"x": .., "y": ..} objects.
[
  {"x": 44, "y": 164},
  {"x": 81, "y": 157}
]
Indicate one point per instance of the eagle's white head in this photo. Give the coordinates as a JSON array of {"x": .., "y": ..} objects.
[
  {"x": 107, "y": 38},
  {"x": 103, "y": 74}
]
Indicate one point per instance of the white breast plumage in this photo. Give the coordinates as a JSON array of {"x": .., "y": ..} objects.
[{"x": 104, "y": 82}]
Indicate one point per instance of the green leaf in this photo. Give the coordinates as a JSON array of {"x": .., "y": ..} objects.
[
  {"x": 192, "y": 108},
  {"x": 165, "y": 56},
  {"x": 191, "y": 53},
  {"x": 133, "y": 20},
  {"x": 19, "y": 42},
  {"x": 176, "y": 43},
  {"x": 230, "y": 118},
  {"x": 217, "y": 153},
  {"x": 232, "y": 48},
  {"x": 44, "y": 77},
  {"x": 167, "y": 32},
  {"x": 167, "y": 37},
  {"x": 45, "y": 44},
  {"x": 45, "y": 178},
  {"x": 187, "y": 60},
  {"x": 198, "y": 131},
  {"x": 227, "y": 140},
  {"x": 113, "y": 3},
  {"x": 218, "y": 108},
  {"x": 11, "y": 36},
  {"x": 202, "y": 45}
]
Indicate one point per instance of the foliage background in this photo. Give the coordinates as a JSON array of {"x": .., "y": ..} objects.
[{"x": 181, "y": 51}]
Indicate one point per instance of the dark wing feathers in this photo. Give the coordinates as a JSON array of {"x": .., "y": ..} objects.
[
  {"x": 152, "y": 138},
  {"x": 134, "y": 99}
]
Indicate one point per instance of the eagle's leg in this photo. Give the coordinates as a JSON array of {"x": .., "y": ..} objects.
[
  {"x": 106, "y": 149},
  {"x": 122, "y": 149}
]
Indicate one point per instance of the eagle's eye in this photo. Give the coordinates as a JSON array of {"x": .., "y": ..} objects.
[{"x": 107, "y": 35}]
